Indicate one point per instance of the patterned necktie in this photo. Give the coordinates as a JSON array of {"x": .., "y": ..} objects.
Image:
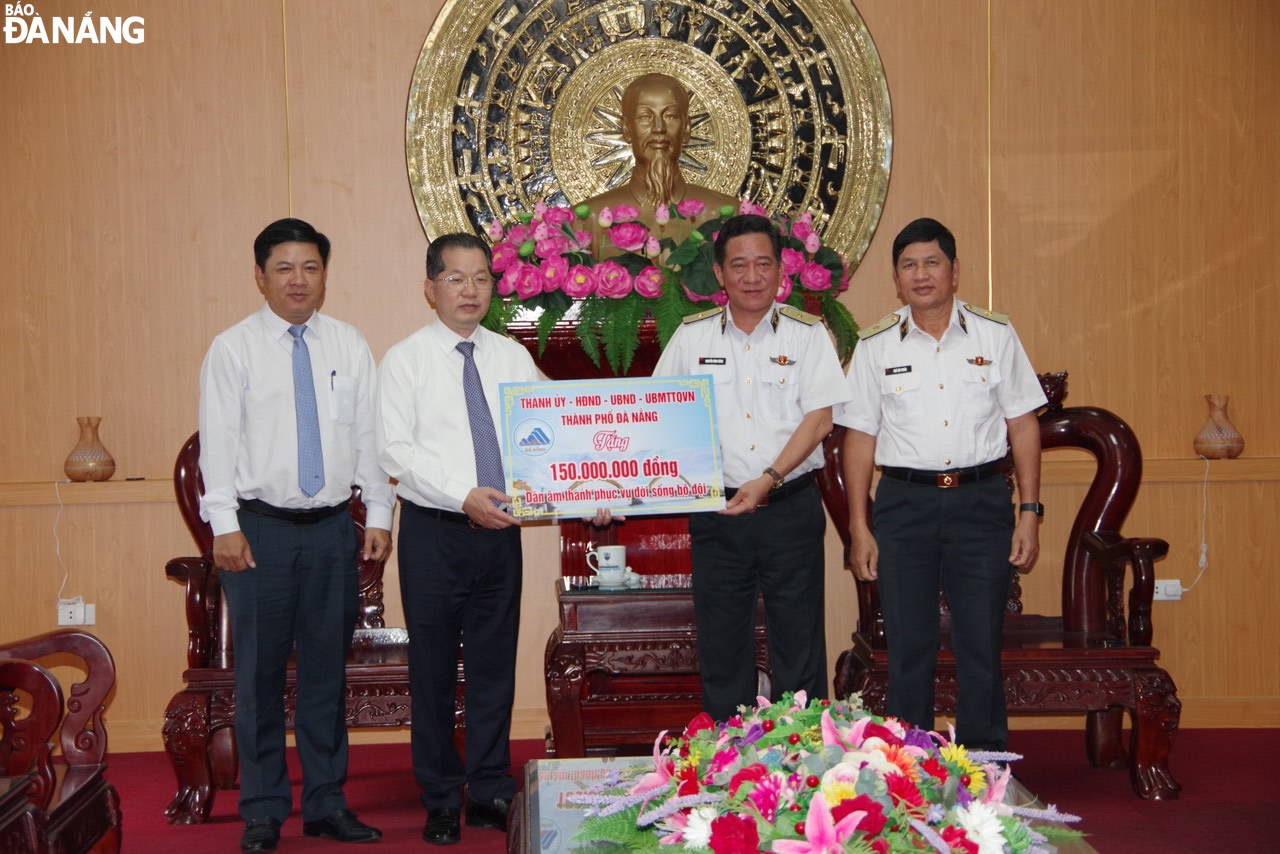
[
  {"x": 310, "y": 455},
  {"x": 483, "y": 437}
]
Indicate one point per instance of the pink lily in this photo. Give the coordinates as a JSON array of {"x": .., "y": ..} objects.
[
  {"x": 661, "y": 772},
  {"x": 821, "y": 836},
  {"x": 999, "y": 781},
  {"x": 831, "y": 733}
]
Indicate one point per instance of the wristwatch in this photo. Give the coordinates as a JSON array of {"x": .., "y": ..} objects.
[
  {"x": 1032, "y": 507},
  {"x": 773, "y": 473}
]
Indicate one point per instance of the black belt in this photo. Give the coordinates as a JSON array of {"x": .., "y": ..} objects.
[
  {"x": 298, "y": 517},
  {"x": 946, "y": 479},
  {"x": 787, "y": 489},
  {"x": 442, "y": 515}
]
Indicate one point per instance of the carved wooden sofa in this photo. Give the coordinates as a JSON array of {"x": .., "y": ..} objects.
[
  {"x": 68, "y": 805},
  {"x": 1091, "y": 659},
  {"x": 199, "y": 732}
]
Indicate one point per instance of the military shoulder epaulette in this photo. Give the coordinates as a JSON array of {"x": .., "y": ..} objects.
[
  {"x": 887, "y": 322},
  {"x": 987, "y": 313},
  {"x": 703, "y": 315},
  {"x": 796, "y": 314}
]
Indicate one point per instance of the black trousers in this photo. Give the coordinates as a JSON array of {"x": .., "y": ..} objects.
[
  {"x": 959, "y": 538},
  {"x": 460, "y": 584},
  {"x": 304, "y": 588},
  {"x": 776, "y": 550}
]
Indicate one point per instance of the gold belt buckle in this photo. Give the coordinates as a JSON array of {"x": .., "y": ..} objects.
[{"x": 948, "y": 479}]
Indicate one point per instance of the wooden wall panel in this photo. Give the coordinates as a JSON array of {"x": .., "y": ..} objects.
[{"x": 1133, "y": 202}]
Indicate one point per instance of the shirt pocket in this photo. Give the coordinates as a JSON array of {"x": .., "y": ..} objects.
[
  {"x": 342, "y": 399},
  {"x": 980, "y": 384},
  {"x": 898, "y": 390},
  {"x": 780, "y": 393}
]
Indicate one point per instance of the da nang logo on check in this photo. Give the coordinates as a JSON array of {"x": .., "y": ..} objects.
[{"x": 534, "y": 437}]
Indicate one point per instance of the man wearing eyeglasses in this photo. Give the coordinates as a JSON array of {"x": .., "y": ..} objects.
[{"x": 460, "y": 557}]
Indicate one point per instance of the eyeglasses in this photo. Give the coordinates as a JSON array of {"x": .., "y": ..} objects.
[{"x": 455, "y": 283}]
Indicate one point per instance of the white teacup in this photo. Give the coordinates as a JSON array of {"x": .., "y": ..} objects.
[{"x": 609, "y": 563}]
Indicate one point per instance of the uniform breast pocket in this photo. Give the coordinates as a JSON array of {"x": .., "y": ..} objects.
[
  {"x": 900, "y": 390},
  {"x": 981, "y": 383},
  {"x": 780, "y": 394},
  {"x": 342, "y": 400}
]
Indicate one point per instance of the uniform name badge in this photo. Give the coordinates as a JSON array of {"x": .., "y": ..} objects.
[{"x": 634, "y": 446}]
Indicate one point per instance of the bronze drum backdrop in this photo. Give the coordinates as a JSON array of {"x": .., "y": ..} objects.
[{"x": 513, "y": 103}]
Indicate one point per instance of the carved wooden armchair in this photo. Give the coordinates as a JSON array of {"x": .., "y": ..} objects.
[
  {"x": 1091, "y": 659},
  {"x": 199, "y": 733},
  {"x": 69, "y": 807}
]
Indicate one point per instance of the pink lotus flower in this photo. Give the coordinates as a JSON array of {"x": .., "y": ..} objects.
[
  {"x": 528, "y": 280},
  {"x": 507, "y": 284},
  {"x": 821, "y": 836},
  {"x": 581, "y": 282},
  {"x": 605, "y": 217},
  {"x": 495, "y": 229},
  {"x": 812, "y": 243},
  {"x": 625, "y": 213},
  {"x": 652, "y": 247},
  {"x": 504, "y": 255},
  {"x": 613, "y": 280},
  {"x": 557, "y": 216},
  {"x": 792, "y": 261},
  {"x": 749, "y": 207},
  {"x": 648, "y": 283},
  {"x": 784, "y": 289},
  {"x": 690, "y": 208},
  {"x": 552, "y": 246},
  {"x": 662, "y": 214},
  {"x": 801, "y": 229},
  {"x": 629, "y": 236},
  {"x": 815, "y": 277},
  {"x": 555, "y": 272},
  {"x": 518, "y": 234},
  {"x": 540, "y": 230},
  {"x": 582, "y": 238}
]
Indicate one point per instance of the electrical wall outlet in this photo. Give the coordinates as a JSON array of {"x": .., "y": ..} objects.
[
  {"x": 74, "y": 612},
  {"x": 1168, "y": 589}
]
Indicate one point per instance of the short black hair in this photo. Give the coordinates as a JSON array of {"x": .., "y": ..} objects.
[
  {"x": 925, "y": 230},
  {"x": 736, "y": 226},
  {"x": 455, "y": 240},
  {"x": 288, "y": 230}
]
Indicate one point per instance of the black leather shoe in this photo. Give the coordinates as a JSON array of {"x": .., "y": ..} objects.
[
  {"x": 342, "y": 826},
  {"x": 442, "y": 826},
  {"x": 260, "y": 834},
  {"x": 488, "y": 813}
]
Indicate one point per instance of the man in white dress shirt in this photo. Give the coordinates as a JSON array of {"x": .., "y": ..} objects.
[
  {"x": 286, "y": 429},
  {"x": 776, "y": 378},
  {"x": 460, "y": 557},
  {"x": 935, "y": 389}
]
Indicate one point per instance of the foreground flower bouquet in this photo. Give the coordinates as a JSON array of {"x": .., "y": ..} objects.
[
  {"x": 811, "y": 778},
  {"x": 546, "y": 261}
]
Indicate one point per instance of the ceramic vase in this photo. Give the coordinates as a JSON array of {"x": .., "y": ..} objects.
[
  {"x": 1218, "y": 439},
  {"x": 89, "y": 459}
]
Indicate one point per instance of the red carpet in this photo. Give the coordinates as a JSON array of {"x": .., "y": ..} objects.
[{"x": 1228, "y": 803}]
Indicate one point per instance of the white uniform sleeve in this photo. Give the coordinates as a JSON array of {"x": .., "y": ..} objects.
[{"x": 862, "y": 410}]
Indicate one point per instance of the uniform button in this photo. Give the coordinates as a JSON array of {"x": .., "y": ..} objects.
[
  {"x": 748, "y": 414},
  {"x": 946, "y": 462},
  {"x": 946, "y": 423},
  {"x": 939, "y": 385},
  {"x": 782, "y": 381},
  {"x": 937, "y": 349},
  {"x": 748, "y": 380},
  {"x": 897, "y": 388},
  {"x": 748, "y": 346},
  {"x": 753, "y": 447},
  {"x": 984, "y": 379}
]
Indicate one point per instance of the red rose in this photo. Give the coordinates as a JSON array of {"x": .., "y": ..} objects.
[
  {"x": 750, "y": 774},
  {"x": 698, "y": 724},
  {"x": 880, "y": 845},
  {"x": 874, "y": 820},
  {"x": 734, "y": 834},
  {"x": 956, "y": 838},
  {"x": 883, "y": 733}
]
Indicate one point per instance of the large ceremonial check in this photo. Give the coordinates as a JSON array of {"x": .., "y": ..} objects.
[{"x": 634, "y": 446}]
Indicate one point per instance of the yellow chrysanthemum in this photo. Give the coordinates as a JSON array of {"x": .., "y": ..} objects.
[
  {"x": 836, "y": 791},
  {"x": 955, "y": 753}
]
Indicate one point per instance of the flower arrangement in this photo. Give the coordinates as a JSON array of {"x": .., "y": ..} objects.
[
  {"x": 799, "y": 777},
  {"x": 545, "y": 260}
]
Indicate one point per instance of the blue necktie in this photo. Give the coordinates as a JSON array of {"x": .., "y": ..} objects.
[
  {"x": 310, "y": 455},
  {"x": 483, "y": 437}
]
